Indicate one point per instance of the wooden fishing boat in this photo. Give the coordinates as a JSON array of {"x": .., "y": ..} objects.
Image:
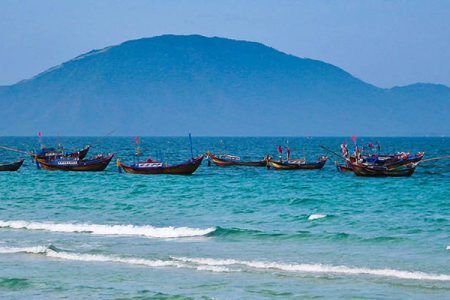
[
  {"x": 389, "y": 159},
  {"x": 46, "y": 153},
  {"x": 376, "y": 162},
  {"x": 97, "y": 163},
  {"x": 343, "y": 168},
  {"x": 297, "y": 164},
  {"x": 14, "y": 166},
  {"x": 230, "y": 160},
  {"x": 405, "y": 159},
  {"x": 383, "y": 171},
  {"x": 186, "y": 168}
]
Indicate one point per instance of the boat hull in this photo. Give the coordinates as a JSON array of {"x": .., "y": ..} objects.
[
  {"x": 11, "y": 167},
  {"x": 389, "y": 160},
  {"x": 88, "y": 165},
  {"x": 186, "y": 168},
  {"x": 228, "y": 163},
  {"x": 344, "y": 168},
  {"x": 80, "y": 154},
  {"x": 297, "y": 166},
  {"x": 373, "y": 171}
]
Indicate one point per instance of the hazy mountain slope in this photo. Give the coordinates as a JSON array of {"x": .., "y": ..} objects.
[{"x": 170, "y": 85}]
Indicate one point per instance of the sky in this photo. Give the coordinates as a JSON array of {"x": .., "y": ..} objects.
[{"x": 385, "y": 43}]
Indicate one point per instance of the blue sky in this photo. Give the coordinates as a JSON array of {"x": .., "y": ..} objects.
[{"x": 386, "y": 43}]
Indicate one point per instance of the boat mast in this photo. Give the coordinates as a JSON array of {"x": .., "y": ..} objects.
[{"x": 190, "y": 144}]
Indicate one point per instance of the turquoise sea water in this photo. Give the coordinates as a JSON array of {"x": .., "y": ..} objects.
[{"x": 225, "y": 233}]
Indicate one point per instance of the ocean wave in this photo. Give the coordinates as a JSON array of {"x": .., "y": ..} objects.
[
  {"x": 316, "y": 217},
  {"x": 316, "y": 268},
  {"x": 186, "y": 232},
  {"x": 225, "y": 265},
  {"x": 239, "y": 232},
  {"x": 222, "y": 232},
  {"x": 148, "y": 231},
  {"x": 33, "y": 250},
  {"x": 11, "y": 283},
  {"x": 99, "y": 229},
  {"x": 53, "y": 252}
]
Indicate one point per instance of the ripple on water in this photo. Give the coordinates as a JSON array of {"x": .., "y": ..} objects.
[{"x": 8, "y": 283}]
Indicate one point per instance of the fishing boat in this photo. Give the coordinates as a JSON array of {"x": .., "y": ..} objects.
[
  {"x": 45, "y": 153},
  {"x": 343, "y": 168},
  {"x": 14, "y": 166},
  {"x": 299, "y": 164},
  {"x": 377, "y": 164},
  {"x": 97, "y": 163},
  {"x": 231, "y": 160},
  {"x": 398, "y": 159},
  {"x": 186, "y": 168},
  {"x": 383, "y": 171}
]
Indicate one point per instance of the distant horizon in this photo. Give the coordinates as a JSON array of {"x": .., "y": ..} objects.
[{"x": 222, "y": 136}]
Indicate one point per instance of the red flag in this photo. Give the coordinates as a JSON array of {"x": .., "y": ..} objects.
[
  {"x": 136, "y": 140},
  {"x": 280, "y": 149}
]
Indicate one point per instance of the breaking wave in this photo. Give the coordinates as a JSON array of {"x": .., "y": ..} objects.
[
  {"x": 98, "y": 229},
  {"x": 226, "y": 265},
  {"x": 53, "y": 252},
  {"x": 315, "y": 268},
  {"x": 184, "y": 232},
  {"x": 316, "y": 217}
]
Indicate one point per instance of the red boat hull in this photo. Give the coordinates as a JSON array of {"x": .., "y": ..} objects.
[{"x": 344, "y": 169}]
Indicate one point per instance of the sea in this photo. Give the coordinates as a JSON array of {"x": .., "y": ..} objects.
[{"x": 224, "y": 233}]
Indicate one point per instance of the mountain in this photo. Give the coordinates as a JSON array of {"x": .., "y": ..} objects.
[{"x": 171, "y": 85}]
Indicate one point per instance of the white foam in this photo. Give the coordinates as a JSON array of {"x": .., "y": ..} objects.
[
  {"x": 114, "y": 259},
  {"x": 316, "y": 216},
  {"x": 157, "y": 263},
  {"x": 98, "y": 229},
  {"x": 218, "y": 269},
  {"x": 47, "y": 251},
  {"x": 130, "y": 261},
  {"x": 448, "y": 247},
  {"x": 34, "y": 250},
  {"x": 227, "y": 265},
  {"x": 317, "y": 268}
]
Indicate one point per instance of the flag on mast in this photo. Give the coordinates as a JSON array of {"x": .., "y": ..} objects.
[{"x": 280, "y": 149}]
